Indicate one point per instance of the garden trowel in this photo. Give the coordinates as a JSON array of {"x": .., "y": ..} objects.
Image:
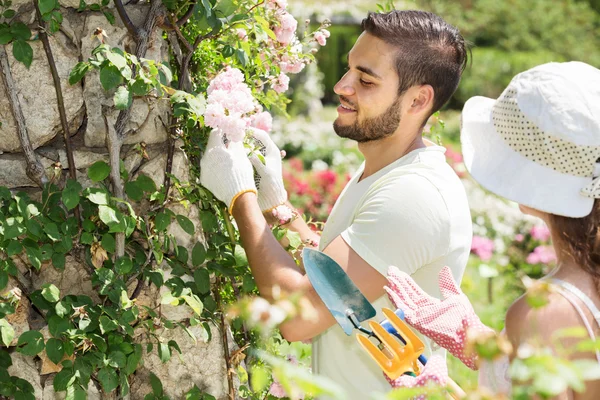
[{"x": 350, "y": 307}]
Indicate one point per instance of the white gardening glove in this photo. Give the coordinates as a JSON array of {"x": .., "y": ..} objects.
[
  {"x": 225, "y": 169},
  {"x": 269, "y": 180}
]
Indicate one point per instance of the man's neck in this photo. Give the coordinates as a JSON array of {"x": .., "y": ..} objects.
[{"x": 381, "y": 153}]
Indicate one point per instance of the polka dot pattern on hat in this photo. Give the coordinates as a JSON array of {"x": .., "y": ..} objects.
[{"x": 538, "y": 146}]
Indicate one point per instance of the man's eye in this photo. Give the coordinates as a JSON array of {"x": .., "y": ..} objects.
[{"x": 365, "y": 83}]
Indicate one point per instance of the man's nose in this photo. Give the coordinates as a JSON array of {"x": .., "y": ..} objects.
[{"x": 344, "y": 87}]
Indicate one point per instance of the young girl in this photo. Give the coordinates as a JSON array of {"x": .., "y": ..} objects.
[{"x": 538, "y": 144}]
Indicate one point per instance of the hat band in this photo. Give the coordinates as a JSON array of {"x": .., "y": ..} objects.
[{"x": 540, "y": 147}]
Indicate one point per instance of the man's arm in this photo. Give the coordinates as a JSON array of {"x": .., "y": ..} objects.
[{"x": 272, "y": 266}]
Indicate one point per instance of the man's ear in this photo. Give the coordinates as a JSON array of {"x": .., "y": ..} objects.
[{"x": 422, "y": 99}]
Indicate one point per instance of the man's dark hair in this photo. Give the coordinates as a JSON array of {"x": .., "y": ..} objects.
[{"x": 430, "y": 51}]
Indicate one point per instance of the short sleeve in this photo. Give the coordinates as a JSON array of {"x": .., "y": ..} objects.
[{"x": 401, "y": 221}]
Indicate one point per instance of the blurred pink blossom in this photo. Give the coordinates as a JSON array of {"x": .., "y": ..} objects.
[
  {"x": 242, "y": 34},
  {"x": 540, "y": 232},
  {"x": 326, "y": 33},
  {"x": 276, "y": 390},
  {"x": 291, "y": 66},
  {"x": 519, "y": 237},
  {"x": 542, "y": 255},
  {"x": 286, "y": 31},
  {"x": 482, "y": 247},
  {"x": 262, "y": 120},
  {"x": 320, "y": 38},
  {"x": 282, "y": 83}
]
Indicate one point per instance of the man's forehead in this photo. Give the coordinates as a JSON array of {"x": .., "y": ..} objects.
[{"x": 372, "y": 54}]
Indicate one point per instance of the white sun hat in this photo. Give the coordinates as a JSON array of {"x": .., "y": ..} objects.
[{"x": 539, "y": 143}]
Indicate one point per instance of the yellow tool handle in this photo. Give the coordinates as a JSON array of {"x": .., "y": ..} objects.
[{"x": 455, "y": 391}]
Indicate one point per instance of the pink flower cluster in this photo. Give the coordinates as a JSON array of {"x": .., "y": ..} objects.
[
  {"x": 285, "y": 32},
  {"x": 540, "y": 232},
  {"x": 321, "y": 36},
  {"x": 277, "y": 390},
  {"x": 283, "y": 213},
  {"x": 542, "y": 255},
  {"x": 482, "y": 247},
  {"x": 231, "y": 107},
  {"x": 281, "y": 83}
]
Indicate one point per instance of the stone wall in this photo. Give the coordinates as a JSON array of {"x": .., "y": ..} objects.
[{"x": 89, "y": 111}]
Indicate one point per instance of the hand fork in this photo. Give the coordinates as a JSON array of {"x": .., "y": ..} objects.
[{"x": 401, "y": 358}]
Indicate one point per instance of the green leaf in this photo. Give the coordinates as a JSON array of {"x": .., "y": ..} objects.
[
  {"x": 124, "y": 265},
  {"x": 58, "y": 261},
  {"x": 194, "y": 302},
  {"x": 294, "y": 239},
  {"x": 260, "y": 378},
  {"x": 110, "y": 77},
  {"x": 164, "y": 352},
  {"x": 23, "y": 52},
  {"x": 133, "y": 191},
  {"x": 117, "y": 59},
  {"x": 242, "y": 57},
  {"x": 46, "y": 6},
  {"x": 157, "y": 387},
  {"x": 50, "y": 292},
  {"x": 186, "y": 224},
  {"x": 20, "y": 31},
  {"x": 30, "y": 343},
  {"x": 63, "y": 379},
  {"x": 248, "y": 284},
  {"x": 52, "y": 231},
  {"x": 108, "y": 215},
  {"x": 241, "y": 260},
  {"x": 7, "y": 332},
  {"x": 123, "y": 98},
  {"x": 57, "y": 325},
  {"x": 198, "y": 254},
  {"x": 55, "y": 350},
  {"x": 108, "y": 379},
  {"x": 78, "y": 72},
  {"x": 70, "y": 196},
  {"x": 162, "y": 221},
  {"x": 182, "y": 254},
  {"x": 87, "y": 238},
  {"x": 14, "y": 247},
  {"x": 225, "y": 8},
  {"x": 34, "y": 256},
  {"x": 8, "y": 14},
  {"x": 117, "y": 359},
  {"x": 107, "y": 324},
  {"x": 3, "y": 279},
  {"x": 98, "y": 171},
  {"x": 194, "y": 394}
]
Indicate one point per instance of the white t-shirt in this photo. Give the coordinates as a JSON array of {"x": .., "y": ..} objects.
[{"x": 412, "y": 214}]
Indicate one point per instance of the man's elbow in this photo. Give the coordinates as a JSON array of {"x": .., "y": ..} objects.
[{"x": 293, "y": 333}]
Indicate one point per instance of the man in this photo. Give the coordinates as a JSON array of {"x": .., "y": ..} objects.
[{"x": 404, "y": 207}]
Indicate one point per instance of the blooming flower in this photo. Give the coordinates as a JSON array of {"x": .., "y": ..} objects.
[
  {"x": 286, "y": 31},
  {"x": 276, "y": 390},
  {"x": 242, "y": 34},
  {"x": 282, "y": 83},
  {"x": 482, "y": 247},
  {"x": 320, "y": 38},
  {"x": 262, "y": 120},
  {"x": 542, "y": 255},
  {"x": 283, "y": 213},
  {"x": 540, "y": 232}
]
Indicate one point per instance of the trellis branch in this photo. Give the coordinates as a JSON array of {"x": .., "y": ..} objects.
[
  {"x": 59, "y": 99},
  {"x": 35, "y": 170}
]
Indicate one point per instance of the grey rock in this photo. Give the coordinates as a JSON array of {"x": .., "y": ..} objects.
[
  {"x": 37, "y": 96},
  {"x": 26, "y": 368},
  {"x": 201, "y": 364}
]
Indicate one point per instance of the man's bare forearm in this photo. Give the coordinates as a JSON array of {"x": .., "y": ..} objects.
[{"x": 270, "y": 264}]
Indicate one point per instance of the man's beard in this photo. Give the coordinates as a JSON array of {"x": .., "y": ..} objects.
[{"x": 374, "y": 128}]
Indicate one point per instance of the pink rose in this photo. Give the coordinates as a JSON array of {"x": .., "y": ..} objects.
[
  {"x": 262, "y": 120},
  {"x": 320, "y": 38},
  {"x": 482, "y": 247},
  {"x": 242, "y": 34},
  {"x": 540, "y": 232},
  {"x": 282, "y": 83},
  {"x": 542, "y": 255}
]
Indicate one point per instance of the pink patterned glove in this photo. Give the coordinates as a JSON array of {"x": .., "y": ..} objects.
[
  {"x": 444, "y": 321},
  {"x": 434, "y": 372}
]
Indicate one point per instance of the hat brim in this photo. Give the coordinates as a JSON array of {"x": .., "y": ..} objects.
[{"x": 503, "y": 171}]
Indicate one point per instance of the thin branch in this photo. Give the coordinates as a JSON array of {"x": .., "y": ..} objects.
[
  {"x": 116, "y": 134},
  {"x": 186, "y": 44},
  {"x": 131, "y": 28},
  {"x": 35, "y": 170},
  {"x": 171, "y": 25},
  {"x": 59, "y": 99},
  {"x": 225, "y": 341}
]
